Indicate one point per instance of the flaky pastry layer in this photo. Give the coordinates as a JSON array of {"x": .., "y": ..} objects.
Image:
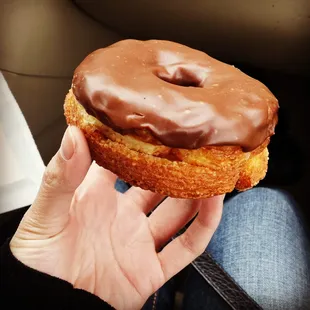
[{"x": 178, "y": 173}]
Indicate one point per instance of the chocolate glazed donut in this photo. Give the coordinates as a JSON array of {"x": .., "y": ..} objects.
[{"x": 171, "y": 119}]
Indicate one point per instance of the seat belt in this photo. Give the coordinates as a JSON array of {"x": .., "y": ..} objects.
[{"x": 223, "y": 283}]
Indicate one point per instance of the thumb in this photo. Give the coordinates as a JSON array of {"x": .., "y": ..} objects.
[{"x": 63, "y": 175}]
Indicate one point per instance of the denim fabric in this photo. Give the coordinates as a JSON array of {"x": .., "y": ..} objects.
[
  {"x": 262, "y": 243},
  {"x": 121, "y": 186}
]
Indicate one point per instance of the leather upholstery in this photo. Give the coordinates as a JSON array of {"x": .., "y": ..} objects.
[
  {"x": 41, "y": 43},
  {"x": 267, "y": 33}
]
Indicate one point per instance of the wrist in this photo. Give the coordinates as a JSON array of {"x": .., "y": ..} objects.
[{"x": 22, "y": 285}]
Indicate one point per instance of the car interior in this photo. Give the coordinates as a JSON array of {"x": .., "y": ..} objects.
[{"x": 43, "y": 41}]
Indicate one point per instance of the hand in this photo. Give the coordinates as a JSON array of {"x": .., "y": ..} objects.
[{"x": 80, "y": 229}]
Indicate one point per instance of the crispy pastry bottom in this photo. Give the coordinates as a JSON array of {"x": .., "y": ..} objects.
[{"x": 139, "y": 159}]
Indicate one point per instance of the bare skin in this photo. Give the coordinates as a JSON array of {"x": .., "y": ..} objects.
[{"x": 81, "y": 230}]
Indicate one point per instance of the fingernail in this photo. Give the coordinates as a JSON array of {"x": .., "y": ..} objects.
[{"x": 67, "y": 145}]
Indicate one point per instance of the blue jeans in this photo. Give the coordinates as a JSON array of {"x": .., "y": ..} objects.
[{"x": 263, "y": 244}]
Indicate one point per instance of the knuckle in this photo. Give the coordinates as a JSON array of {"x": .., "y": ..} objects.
[
  {"x": 190, "y": 245},
  {"x": 51, "y": 179}
]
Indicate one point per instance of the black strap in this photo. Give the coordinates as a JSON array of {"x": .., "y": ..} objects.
[{"x": 223, "y": 284}]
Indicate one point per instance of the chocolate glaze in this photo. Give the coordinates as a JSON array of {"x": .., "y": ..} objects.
[{"x": 185, "y": 98}]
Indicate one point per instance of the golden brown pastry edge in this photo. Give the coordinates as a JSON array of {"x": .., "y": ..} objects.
[{"x": 201, "y": 173}]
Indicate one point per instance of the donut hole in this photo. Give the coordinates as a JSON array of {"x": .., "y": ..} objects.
[
  {"x": 181, "y": 77},
  {"x": 182, "y": 82}
]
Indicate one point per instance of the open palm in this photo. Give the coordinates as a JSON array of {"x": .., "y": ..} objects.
[{"x": 113, "y": 245}]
